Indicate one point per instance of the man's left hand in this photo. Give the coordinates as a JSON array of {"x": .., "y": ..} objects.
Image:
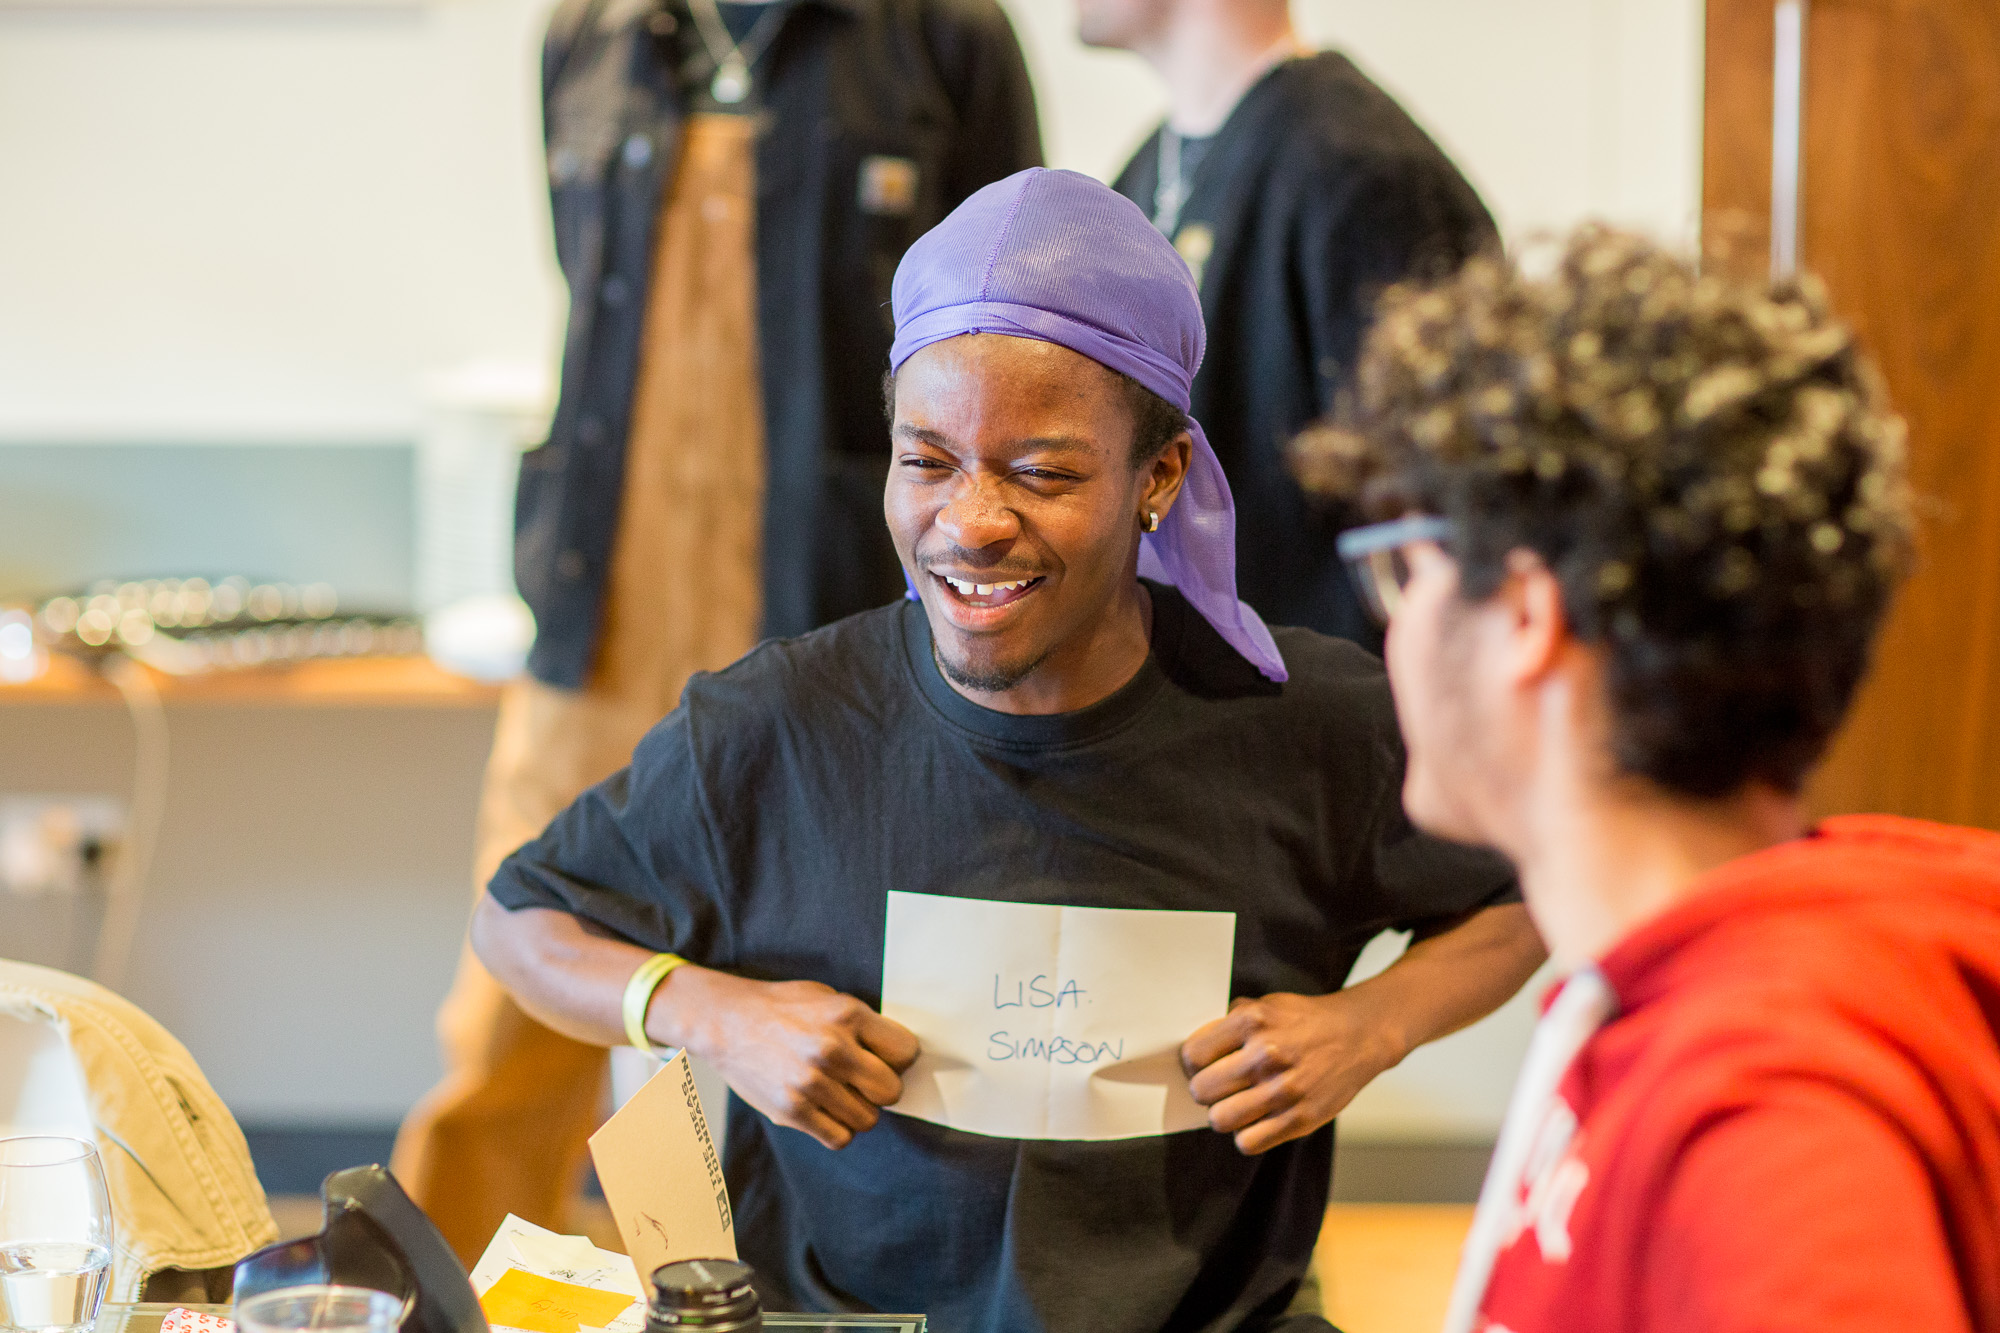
[{"x": 1277, "y": 1068}]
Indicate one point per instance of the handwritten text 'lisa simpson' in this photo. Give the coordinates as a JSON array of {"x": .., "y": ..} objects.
[{"x": 1041, "y": 992}]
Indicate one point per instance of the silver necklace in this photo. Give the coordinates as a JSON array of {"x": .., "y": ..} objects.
[
  {"x": 734, "y": 60},
  {"x": 1170, "y": 192}
]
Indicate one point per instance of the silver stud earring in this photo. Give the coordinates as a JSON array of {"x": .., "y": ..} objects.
[{"x": 1152, "y": 520}]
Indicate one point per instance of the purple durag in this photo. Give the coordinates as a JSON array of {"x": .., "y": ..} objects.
[{"x": 1058, "y": 257}]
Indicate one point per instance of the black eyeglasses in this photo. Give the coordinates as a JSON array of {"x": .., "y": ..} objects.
[{"x": 1375, "y": 560}]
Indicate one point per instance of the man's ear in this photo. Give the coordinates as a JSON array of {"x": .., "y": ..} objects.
[
  {"x": 1166, "y": 474},
  {"x": 1538, "y": 628}
]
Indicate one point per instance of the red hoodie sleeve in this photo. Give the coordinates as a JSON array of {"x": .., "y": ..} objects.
[{"x": 1803, "y": 1213}]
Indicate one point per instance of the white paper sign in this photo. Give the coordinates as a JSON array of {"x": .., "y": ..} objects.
[{"x": 1049, "y": 1022}]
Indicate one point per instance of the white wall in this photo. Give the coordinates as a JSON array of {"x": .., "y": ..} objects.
[
  {"x": 1557, "y": 109},
  {"x": 267, "y": 224},
  {"x": 264, "y": 223},
  {"x": 307, "y": 897}
]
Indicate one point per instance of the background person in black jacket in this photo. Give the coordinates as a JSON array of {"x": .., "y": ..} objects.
[
  {"x": 1296, "y": 190},
  {"x": 732, "y": 187}
]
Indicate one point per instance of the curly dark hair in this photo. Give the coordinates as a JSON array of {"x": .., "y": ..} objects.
[
  {"x": 1709, "y": 468},
  {"x": 1156, "y": 423}
]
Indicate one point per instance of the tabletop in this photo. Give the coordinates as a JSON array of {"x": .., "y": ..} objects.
[
  {"x": 146, "y": 1319},
  {"x": 334, "y": 682}
]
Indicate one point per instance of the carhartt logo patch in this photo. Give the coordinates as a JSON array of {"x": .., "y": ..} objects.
[
  {"x": 888, "y": 186},
  {"x": 1195, "y": 243}
]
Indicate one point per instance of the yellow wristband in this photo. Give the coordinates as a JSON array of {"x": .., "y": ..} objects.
[{"x": 639, "y": 995}]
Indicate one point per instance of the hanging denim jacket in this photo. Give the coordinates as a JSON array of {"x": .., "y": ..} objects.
[{"x": 878, "y": 117}]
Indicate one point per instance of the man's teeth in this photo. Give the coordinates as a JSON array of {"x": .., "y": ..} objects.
[{"x": 983, "y": 589}]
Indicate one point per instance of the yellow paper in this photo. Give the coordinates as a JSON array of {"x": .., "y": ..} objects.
[{"x": 544, "y": 1305}]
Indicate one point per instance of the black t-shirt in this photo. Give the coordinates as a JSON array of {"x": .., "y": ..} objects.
[
  {"x": 1317, "y": 193},
  {"x": 1191, "y": 154},
  {"x": 1193, "y": 151},
  {"x": 762, "y": 824}
]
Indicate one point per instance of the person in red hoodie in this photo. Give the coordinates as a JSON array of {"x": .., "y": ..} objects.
[{"x": 1644, "y": 523}]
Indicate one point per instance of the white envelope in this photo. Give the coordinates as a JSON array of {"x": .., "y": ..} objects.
[
  {"x": 1052, "y": 1022},
  {"x": 531, "y": 1249}
]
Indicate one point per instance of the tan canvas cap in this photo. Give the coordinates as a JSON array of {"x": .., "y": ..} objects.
[{"x": 183, "y": 1190}]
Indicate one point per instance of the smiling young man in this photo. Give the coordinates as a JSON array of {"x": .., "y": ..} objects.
[
  {"x": 1648, "y": 523},
  {"x": 731, "y": 183},
  {"x": 1039, "y": 724}
]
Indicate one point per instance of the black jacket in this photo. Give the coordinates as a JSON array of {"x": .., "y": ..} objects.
[
  {"x": 939, "y": 84},
  {"x": 1318, "y": 192}
]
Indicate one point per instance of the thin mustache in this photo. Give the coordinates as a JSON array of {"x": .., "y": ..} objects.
[
  {"x": 962, "y": 560},
  {"x": 987, "y": 576}
]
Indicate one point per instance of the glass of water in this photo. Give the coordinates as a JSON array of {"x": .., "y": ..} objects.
[
  {"x": 55, "y": 1234},
  {"x": 319, "y": 1308}
]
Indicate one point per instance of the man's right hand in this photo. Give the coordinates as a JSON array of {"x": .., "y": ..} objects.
[{"x": 804, "y": 1054}]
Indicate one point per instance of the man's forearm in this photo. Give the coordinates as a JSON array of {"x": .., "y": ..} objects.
[
  {"x": 559, "y": 972},
  {"x": 569, "y": 977},
  {"x": 1454, "y": 978},
  {"x": 805, "y": 1055}
]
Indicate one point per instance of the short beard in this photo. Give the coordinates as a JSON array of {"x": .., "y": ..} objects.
[{"x": 991, "y": 682}]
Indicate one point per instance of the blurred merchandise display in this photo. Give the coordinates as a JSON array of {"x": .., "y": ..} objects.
[
  {"x": 22, "y": 657},
  {"x": 187, "y": 626}
]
